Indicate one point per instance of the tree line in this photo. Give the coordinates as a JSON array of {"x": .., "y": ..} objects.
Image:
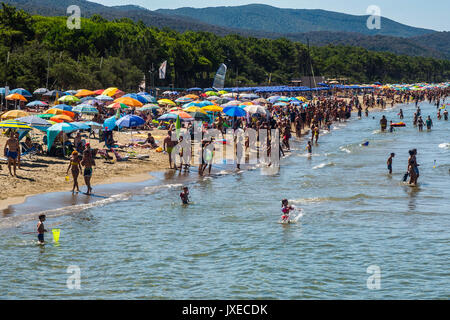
[{"x": 102, "y": 53}]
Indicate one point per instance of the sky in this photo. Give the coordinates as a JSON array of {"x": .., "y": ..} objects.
[{"x": 431, "y": 14}]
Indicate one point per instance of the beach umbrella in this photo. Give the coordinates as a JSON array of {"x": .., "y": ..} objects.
[
  {"x": 104, "y": 98},
  {"x": 81, "y": 125},
  {"x": 192, "y": 96},
  {"x": 281, "y": 104},
  {"x": 194, "y": 89},
  {"x": 99, "y": 92},
  {"x": 148, "y": 107},
  {"x": 70, "y": 99},
  {"x": 70, "y": 92},
  {"x": 231, "y": 103},
  {"x": 129, "y": 102},
  {"x": 272, "y": 99},
  {"x": 110, "y": 123},
  {"x": 62, "y": 107},
  {"x": 213, "y": 108},
  {"x": 182, "y": 114},
  {"x": 22, "y": 92},
  {"x": 15, "y": 97},
  {"x": 221, "y": 92},
  {"x": 302, "y": 99},
  {"x": 61, "y": 118},
  {"x": 149, "y": 98},
  {"x": 194, "y": 109},
  {"x": 117, "y": 106},
  {"x": 13, "y": 114},
  {"x": 234, "y": 111},
  {"x": 55, "y": 93},
  {"x": 260, "y": 101},
  {"x": 223, "y": 100},
  {"x": 14, "y": 124},
  {"x": 45, "y": 115},
  {"x": 56, "y": 111},
  {"x": 35, "y": 122},
  {"x": 37, "y": 103},
  {"x": 174, "y": 116},
  {"x": 93, "y": 124},
  {"x": 166, "y": 102},
  {"x": 213, "y": 98},
  {"x": 184, "y": 100},
  {"x": 211, "y": 93},
  {"x": 229, "y": 95},
  {"x": 203, "y": 103},
  {"x": 248, "y": 96},
  {"x": 199, "y": 116},
  {"x": 84, "y": 93},
  {"x": 137, "y": 97},
  {"x": 85, "y": 108},
  {"x": 248, "y": 103},
  {"x": 130, "y": 121},
  {"x": 110, "y": 91},
  {"x": 255, "y": 109},
  {"x": 40, "y": 91}
]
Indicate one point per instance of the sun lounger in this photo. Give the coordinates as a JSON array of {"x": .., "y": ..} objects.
[{"x": 134, "y": 155}]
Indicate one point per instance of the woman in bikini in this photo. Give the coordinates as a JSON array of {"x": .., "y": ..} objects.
[{"x": 76, "y": 167}]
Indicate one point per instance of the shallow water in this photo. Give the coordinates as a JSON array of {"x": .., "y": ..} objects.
[{"x": 142, "y": 244}]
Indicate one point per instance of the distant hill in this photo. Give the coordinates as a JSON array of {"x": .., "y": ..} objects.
[
  {"x": 270, "y": 19},
  {"x": 420, "y": 42}
]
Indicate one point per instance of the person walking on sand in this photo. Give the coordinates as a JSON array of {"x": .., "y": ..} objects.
[
  {"x": 76, "y": 168},
  {"x": 88, "y": 162},
  {"x": 12, "y": 152}
]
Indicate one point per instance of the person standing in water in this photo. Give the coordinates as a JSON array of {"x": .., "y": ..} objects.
[
  {"x": 185, "y": 195},
  {"x": 383, "y": 123},
  {"x": 285, "y": 209},
  {"x": 400, "y": 114},
  {"x": 168, "y": 146},
  {"x": 429, "y": 123},
  {"x": 420, "y": 123},
  {"x": 445, "y": 115},
  {"x": 309, "y": 147},
  {"x": 389, "y": 162},
  {"x": 40, "y": 229}
]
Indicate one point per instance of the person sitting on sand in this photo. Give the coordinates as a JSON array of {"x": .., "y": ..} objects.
[
  {"x": 149, "y": 142},
  {"x": 76, "y": 168}
]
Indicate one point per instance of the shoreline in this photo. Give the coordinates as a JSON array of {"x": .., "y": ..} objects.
[{"x": 117, "y": 179}]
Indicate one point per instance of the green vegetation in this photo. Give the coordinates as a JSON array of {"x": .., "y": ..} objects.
[{"x": 118, "y": 53}]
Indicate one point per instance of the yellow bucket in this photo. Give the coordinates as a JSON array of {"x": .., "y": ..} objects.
[{"x": 56, "y": 233}]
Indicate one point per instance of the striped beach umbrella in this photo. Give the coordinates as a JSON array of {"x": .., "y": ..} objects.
[{"x": 13, "y": 124}]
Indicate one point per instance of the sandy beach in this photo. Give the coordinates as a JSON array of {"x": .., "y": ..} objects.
[{"x": 42, "y": 174}]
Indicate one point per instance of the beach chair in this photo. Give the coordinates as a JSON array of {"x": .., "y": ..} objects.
[
  {"x": 28, "y": 152},
  {"x": 118, "y": 156}
]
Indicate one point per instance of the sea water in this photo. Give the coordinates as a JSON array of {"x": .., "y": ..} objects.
[{"x": 139, "y": 242}]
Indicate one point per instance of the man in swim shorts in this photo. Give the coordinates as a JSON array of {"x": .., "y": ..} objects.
[
  {"x": 12, "y": 152},
  {"x": 389, "y": 162},
  {"x": 168, "y": 146},
  {"x": 383, "y": 123}
]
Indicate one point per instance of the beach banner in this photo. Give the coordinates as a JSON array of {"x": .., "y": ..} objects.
[
  {"x": 219, "y": 79},
  {"x": 162, "y": 70}
]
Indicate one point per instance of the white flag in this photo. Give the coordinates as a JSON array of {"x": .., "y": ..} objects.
[
  {"x": 219, "y": 79},
  {"x": 142, "y": 84},
  {"x": 162, "y": 70}
]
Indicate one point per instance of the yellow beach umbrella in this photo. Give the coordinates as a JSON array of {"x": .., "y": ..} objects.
[
  {"x": 13, "y": 114},
  {"x": 213, "y": 108},
  {"x": 129, "y": 102},
  {"x": 194, "y": 109},
  {"x": 191, "y": 96},
  {"x": 84, "y": 93},
  {"x": 222, "y": 92},
  {"x": 110, "y": 92},
  {"x": 16, "y": 96},
  {"x": 166, "y": 102},
  {"x": 302, "y": 98},
  {"x": 13, "y": 124}
]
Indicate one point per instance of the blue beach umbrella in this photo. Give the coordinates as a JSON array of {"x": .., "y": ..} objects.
[
  {"x": 63, "y": 107},
  {"x": 137, "y": 97},
  {"x": 234, "y": 111},
  {"x": 130, "y": 121},
  {"x": 110, "y": 123},
  {"x": 36, "y": 103},
  {"x": 85, "y": 108},
  {"x": 22, "y": 91},
  {"x": 81, "y": 125}
]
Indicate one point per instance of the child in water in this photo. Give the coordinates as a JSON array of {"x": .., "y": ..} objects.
[
  {"x": 41, "y": 229},
  {"x": 389, "y": 162},
  {"x": 285, "y": 209},
  {"x": 185, "y": 195}
]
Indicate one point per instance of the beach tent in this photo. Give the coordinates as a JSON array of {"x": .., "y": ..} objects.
[{"x": 54, "y": 130}]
